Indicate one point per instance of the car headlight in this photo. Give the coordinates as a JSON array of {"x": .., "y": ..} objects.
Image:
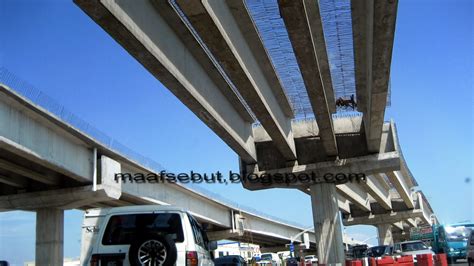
[{"x": 451, "y": 249}]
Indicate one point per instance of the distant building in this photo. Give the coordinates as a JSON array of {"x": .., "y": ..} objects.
[{"x": 246, "y": 250}]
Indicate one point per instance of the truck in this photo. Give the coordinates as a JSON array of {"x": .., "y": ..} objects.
[{"x": 450, "y": 239}]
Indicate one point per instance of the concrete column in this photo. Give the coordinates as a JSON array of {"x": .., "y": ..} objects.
[
  {"x": 327, "y": 224},
  {"x": 385, "y": 234},
  {"x": 49, "y": 236}
]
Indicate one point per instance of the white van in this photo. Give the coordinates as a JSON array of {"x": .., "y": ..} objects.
[
  {"x": 269, "y": 259},
  {"x": 144, "y": 235}
]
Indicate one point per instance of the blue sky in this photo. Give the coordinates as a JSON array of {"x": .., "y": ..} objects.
[{"x": 57, "y": 48}]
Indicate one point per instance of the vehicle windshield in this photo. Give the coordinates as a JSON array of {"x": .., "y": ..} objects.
[
  {"x": 457, "y": 233},
  {"x": 266, "y": 257},
  {"x": 309, "y": 257},
  {"x": 377, "y": 251},
  {"x": 413, "y": 246}
]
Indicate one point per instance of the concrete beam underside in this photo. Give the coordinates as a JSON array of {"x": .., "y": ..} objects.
[
  {"x": 388, "y": 218},
  {"x": 398, "y": 181},
  {"x": 229, "y": 33},
  {"x": 373, "y": 27},
  {"x": 371, "y": 164},
  {"x": 379, "y": 190},
  {"x": 139, "y": 28},
  {"x": 66, "y": 198},
  {"x": 304, "y": 26}
]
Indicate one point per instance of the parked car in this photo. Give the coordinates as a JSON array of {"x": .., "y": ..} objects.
[
  {"x": 470, "y": 249},
  {"x": 142, "y": 235},
  {"x": 411, "y": 248},
  {"x": 230, "y": 260},
  {"x": 284, "y": 255},
  {"x": 269, "y": 259},
  {"x": 311, "y": 259},
  {"x": 357, "y": 251},
  {"x": 380, "y": 251},
  {"x": 292, "y": 261}
]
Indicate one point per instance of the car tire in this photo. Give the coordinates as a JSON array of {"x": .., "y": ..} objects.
[{"x": 161, "y": 249}]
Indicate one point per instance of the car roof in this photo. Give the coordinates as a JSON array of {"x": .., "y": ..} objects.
[
  {"x": 134, "y": 209},
  {"x": 411, "y": 241},
  {"x": 467, "y": 224}
]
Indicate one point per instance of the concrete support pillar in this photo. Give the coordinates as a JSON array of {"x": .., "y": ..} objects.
[
  {"x": 49, "y": 236},
  {"x": 327, "y": 224},
  {"x": 385, "y": 234}
]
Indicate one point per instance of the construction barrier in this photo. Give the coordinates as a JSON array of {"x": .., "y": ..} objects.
[
  {"x": 440, "y": 260},
  {"x": 372, "y": 262},
  {"x": 386, "y": 261},
  {"x": 406, "y": 261},
  {"x": 424, "y": 260},
  {"x": 353, "y": 263}
]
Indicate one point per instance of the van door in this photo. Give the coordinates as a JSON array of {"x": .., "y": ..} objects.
[
  {"x": 91, "y": 224},
  {"x": 201, "y": 242},
  {"x": 125, "y": 232}
]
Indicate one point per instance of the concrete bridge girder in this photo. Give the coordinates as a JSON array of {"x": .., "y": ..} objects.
[
  {"x": 411, "y": 218},
  {"x": 40, "y": 141},
  {"x": 373, "y": 27},
  {"x": 304, "y": 26},
  {"x": 228, "y": 31},
  {"x": 378, "y": 188},
  {"x": 195, "y": 81}
]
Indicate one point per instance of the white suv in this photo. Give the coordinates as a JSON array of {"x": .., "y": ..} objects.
[{"x": 144, "y": 235}]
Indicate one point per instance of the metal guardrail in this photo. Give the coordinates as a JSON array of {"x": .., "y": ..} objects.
[{"x": 41, "y": 99}]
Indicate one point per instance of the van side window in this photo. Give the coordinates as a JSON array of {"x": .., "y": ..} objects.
[
  {"x": 125, "y": 229},
  {"x": 198, "y": 238}
]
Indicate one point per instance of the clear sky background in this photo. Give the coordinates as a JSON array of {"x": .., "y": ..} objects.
[{"x": 57, "y": 48}]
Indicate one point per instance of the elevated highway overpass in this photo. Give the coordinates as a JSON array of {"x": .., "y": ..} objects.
[
  {"x": 212, "y": 57},
  {"x": 216, "y": 61},
  {"x": 49, "y": 166}
]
